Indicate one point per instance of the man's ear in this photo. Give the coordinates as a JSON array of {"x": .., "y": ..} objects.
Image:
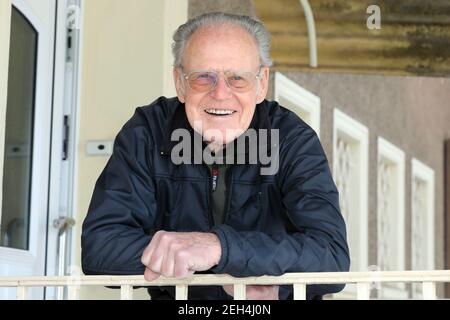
[
  {"x": 179, "y": 84},
  {"x": 263, "y": 85}
]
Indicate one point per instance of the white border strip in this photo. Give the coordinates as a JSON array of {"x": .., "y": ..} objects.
[
  {"x": 358, "y": 132},
  {"x": 424, "y": 172},
  {"x": 302, "y": 99}
]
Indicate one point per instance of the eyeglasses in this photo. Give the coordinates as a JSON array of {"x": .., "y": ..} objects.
[{"x": 206, "y": 80}]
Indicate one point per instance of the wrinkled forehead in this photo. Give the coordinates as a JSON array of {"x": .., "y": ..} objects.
[{"x": 221, "y": 47}]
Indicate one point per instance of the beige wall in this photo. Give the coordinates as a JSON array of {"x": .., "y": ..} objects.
[
  {"x": 125, "y": 61},
  {"x": 5, "y": 24},
  {"x": 175, "y": 14}
]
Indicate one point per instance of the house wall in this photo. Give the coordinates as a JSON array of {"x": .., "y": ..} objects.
[
  {"x": 413, "y": 113},
  {"x": 125, "y": 61}
]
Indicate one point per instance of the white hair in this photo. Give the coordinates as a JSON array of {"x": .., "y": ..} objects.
[{"x": 255, "y": 28}]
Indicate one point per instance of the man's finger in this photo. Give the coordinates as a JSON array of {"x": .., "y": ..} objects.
[
  {"x": 148, "y": 252},
  {"x": 168, "y": 264},
  {"x": 149, "y": 275},
  {"x": 161, "y": 250}
]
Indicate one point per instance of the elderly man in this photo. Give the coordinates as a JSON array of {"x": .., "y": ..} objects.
[{"x": 152, "y": 214}]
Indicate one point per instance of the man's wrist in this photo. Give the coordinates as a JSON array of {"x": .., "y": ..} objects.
[
  {"x": 216, "y": 248},
  {"x": 219, "y": 231}
]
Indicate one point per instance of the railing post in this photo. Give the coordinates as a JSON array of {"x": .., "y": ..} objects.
[
  {"x": 363, "y": 290},
  {"x": 73, "y": 292},
  {"x": 21, "y": 293},
  {"x": 181, "y": 292},
  {"x": 240, "y": 292},
  {"x": 429, "y": 290},
  {"x": 126, "y": 292},
  {"x": 299, "y": 291}
]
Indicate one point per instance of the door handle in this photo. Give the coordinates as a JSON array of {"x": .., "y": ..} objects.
[{"x": 62, "y": 224}]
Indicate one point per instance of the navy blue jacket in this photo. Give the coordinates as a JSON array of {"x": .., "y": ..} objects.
[{"x": 286, "y": 222}]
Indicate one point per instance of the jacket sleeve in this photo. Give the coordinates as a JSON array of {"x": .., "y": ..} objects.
[
  {"x": 315, "y": 239},
  {"x": 121, "y": 214}
]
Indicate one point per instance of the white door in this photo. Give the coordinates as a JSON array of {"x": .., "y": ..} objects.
[{"x": 27, "y": 145}]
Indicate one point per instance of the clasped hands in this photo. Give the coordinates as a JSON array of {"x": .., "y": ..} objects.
[{"x": 180, "y": 254}]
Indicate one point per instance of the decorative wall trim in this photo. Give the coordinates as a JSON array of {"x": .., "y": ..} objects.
[
  {"x": 351, "y": 174},
  {"x": 391, "y": 215},
  {"x": 422, "y": 220},
  {"x": 295, "y": 98},
  {"x": 423, "y": 209}
]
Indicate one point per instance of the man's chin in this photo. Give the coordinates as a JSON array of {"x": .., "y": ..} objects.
[{"x": 221, "y": 135}]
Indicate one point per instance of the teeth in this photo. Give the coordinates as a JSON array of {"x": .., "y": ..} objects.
[{"x": 219, "y": 111}]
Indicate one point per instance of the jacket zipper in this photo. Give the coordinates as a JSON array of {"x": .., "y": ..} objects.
[
  {"x": 209, "y": 196},
  {"x": 214, "y": 176},
  {"x": 228, "y": 189}
]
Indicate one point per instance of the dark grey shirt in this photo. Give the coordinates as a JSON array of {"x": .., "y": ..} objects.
[
  {"x": 218, "y": 196},
  {"x": 224, "y": 160}
]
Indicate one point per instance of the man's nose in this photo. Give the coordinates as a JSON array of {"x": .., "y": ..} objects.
[{"x": 221, "y": 90}]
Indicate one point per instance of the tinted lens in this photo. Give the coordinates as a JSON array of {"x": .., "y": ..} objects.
[
  {"x": 240, "y": 81},
  {"x": 202, "y": 81}
]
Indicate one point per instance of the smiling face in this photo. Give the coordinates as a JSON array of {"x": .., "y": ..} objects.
[{"x": 221, "y": 48}]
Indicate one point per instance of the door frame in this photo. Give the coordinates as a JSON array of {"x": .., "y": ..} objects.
[{"x": 66, "y": 101}]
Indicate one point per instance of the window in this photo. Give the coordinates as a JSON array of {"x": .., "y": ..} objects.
[
  {"x": 293, "y": 97},
  {"x": 19, "y": 134},
  {"x": 391, "y": 216}
]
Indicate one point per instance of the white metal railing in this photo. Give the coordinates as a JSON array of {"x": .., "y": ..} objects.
[{"x": 363, "y": 280}]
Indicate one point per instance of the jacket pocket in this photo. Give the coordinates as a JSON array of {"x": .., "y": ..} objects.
[
  {"x": 168, "y": 197},
  {"x": 246, "y": 207}
]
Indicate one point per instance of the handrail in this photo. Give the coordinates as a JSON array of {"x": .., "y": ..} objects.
[{"x": 363, "y": 281}]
